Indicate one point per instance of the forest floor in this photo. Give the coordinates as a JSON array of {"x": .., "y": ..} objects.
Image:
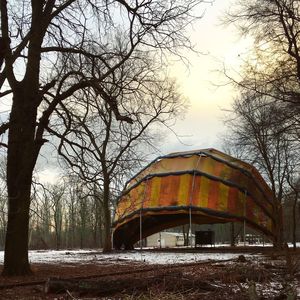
[{"x": 171, "y": 274}]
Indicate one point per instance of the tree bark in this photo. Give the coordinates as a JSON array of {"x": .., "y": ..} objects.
[
  {"x": 16, "y": 242},
  {"x": 232, "y": 235},
  {"x": 107, "y": 247},
  {"x": 20, "y": 163},
  {"x": 295, "y": 221},
  {"x": 278, "y": 242},
  {"x": 23, "y": 147}
]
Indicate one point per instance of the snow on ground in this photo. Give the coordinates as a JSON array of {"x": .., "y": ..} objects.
[
  {"x": 93, "y": 256},
  {"x": 268, "y": 289}
]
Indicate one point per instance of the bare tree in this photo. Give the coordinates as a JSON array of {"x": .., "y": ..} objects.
[
  {"x": 46, "y": 46},
  {"x": 82, "y": 226},
  {"x": 63, "y": 214},
  {"x": 40, "y": 224},
  {"x": 102, "y": 150},
  {"x": 270, "y": 84},
  {"x": 272, "y": 67},
  {"x": 56, "y": 192},
  {"x": 293, "y": 196},
  {"x": 264, "y": 142},
  {"x": 72, "y": 209}
]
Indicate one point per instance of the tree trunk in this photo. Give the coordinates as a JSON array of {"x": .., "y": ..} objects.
[
  {"x": 58, "y": 240},
  {"x": 72, "y": 225},
  {"x": 107, "y": 219},
  {"x": 295, "y": 221},
  {"x": 232, "y": 235},
  {"x": 100, "y": 229},
  {"x": 20, "y": 163},
  {"x": 278, "y": 242},
  {"x": 16, "y": 243},
  {"x": 58, "y": 225},
  {"x": 96, "y": 226}
]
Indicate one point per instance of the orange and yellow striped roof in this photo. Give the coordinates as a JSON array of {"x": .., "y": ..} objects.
[{"x": 207, "y": 181}]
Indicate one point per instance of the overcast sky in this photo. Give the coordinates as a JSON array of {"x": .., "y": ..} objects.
[
  {"x": 201, "y": 83},
  {"x": 203, "y": 124}
]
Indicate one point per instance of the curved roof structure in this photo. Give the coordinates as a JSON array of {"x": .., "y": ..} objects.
[{"x": 207, "y": 185}]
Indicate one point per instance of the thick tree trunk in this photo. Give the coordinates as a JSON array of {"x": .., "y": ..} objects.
[
  {"x": 16, "y": 243},
  {"x": 23, "y": 146},
  {"x": 20, "y": 163},
  {"x": 279, "y": 241},
  {"x": 58, "y": 241}
]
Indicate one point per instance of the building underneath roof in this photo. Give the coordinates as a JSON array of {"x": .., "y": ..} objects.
[
  {"x": 166, "y": 239},
  {"x": 200, "y": 187}
]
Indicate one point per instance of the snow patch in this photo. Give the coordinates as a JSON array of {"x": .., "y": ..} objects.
[{"x": 94, "y": 256}]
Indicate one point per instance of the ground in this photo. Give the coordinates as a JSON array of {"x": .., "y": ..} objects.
[{"x": 240, "y": 273}]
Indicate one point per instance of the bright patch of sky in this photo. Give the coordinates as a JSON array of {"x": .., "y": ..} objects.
[
  {"x": 49, "y": 174},
  {"x": 203, "y": 83}
]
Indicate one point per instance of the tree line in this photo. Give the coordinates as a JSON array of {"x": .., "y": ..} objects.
[{"x": 63, "y": 215}]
